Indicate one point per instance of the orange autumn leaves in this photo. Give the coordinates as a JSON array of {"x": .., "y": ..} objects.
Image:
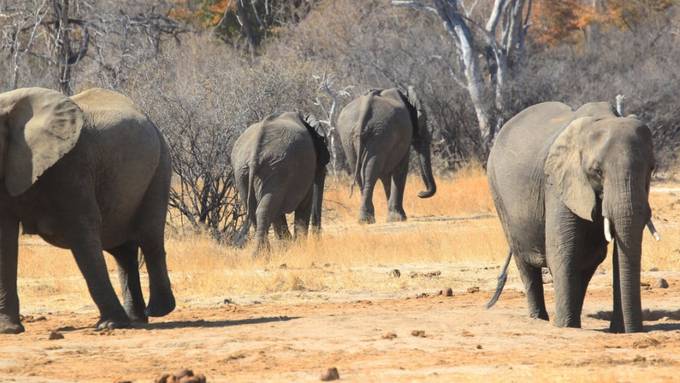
[
  {"x": 206, "y": 13},
  {"x": 555, "y": 22}
]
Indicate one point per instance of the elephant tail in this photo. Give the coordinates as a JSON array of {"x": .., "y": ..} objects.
[
  {"x": 250, "y": 199},
  {"x": 243, "y": 233},
  {"x": 502, "y": 278},
  {"x": 364, "y": 107}
]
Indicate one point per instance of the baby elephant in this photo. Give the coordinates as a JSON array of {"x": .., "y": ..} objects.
[{"x": 280, "y": 167}]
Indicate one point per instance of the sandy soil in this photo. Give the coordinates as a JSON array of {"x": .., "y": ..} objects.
[
  {"x": 367, "y": 340},
  {"x": 371, "y": 325}
]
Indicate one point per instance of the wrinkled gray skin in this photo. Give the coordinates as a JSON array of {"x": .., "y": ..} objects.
[
  {"x": 279, "y": 168},
  {"x": 376, "y": 131},
  {"x": 555, "y": 174},
  {"x": 104, "y": 178}
]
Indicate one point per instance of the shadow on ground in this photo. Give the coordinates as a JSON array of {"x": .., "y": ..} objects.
[
  {"x": 201, "y": 323},
  {"x": 648, "y": 316}
]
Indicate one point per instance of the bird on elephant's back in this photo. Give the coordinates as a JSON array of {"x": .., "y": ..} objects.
[
  {"x": 280, "y": 167},
  {"x": 88, "y": 173},
  {"x": 566, "y": 183},
  {"x": 377, "y": 130}
]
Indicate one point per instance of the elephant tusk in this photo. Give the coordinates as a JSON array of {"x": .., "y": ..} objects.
[
  {"x": 652, "y": 230},
  {"x": 607, "y": 230}
]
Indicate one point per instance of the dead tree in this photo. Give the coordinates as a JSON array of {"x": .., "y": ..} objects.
[
  {"x": 329, "y": 110},
  {"x": 499, "y": 43},
  {"x": 60, "y": 34}
]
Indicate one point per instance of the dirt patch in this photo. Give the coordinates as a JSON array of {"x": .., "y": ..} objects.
[{"x": 454, "y": 339}]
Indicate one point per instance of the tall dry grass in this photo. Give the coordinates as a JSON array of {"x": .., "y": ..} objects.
[{"x": 347, "y": 258}]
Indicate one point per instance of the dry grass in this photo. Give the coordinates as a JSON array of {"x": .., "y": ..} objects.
[
  {"x": 465, "y": 193},
  {"x": 347, "y": 258}
]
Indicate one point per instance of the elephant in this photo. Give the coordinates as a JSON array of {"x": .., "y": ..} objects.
[
  {"x": 86, "y": 173},
  {"x": 376, "y": 130},
  {"x": 280, "y": 167},
  {"x": 565, "y": 183}
]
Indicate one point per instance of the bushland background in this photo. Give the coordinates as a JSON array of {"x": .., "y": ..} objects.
[{"x": 206, "y": 69}]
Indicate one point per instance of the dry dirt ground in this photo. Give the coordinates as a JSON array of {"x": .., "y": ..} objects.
[
  {"x": 273, "y": 323},
  {"x": 367, "y": 340}
]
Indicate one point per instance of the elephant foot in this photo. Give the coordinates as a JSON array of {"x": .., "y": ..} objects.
[
  {"x": 11, "y": 327},
  {"x": 112, "y": 323},
  {"x": 616, "y": 327},
  {"x": 367, "y": 219},
  {"x": 568, "y": 322},
  {"x": 539, "y": 316},
  {"x": 162, "y": 306},
  {"x": 396, "y": 216},
  {"x": 137, "y": 317}
]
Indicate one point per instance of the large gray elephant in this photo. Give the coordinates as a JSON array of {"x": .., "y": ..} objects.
[
  {"x": 376, "y": 131},
  {"x": 86, "y": 173},
  {"x": 565, "y": 183},
  {"x": 280, "y": 167}
]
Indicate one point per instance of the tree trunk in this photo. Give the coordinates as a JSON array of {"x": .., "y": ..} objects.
[
  {"x": 245, "y": 26},
  {"x": 61, "y": 11}
]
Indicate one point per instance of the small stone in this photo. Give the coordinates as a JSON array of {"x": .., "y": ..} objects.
[
  {"x": 395, "y": 273},
  {"x": 645, "y": 284},
  {"x": 389, "y": 335},
  {"x": 654, "y": 269},
  {"x": 123, "y": 381},
  {"x": 55, "y": 335},
  {"x": 479, "y": 347},
  {"x": 418, "y": 333},
  {"x": 422, "y": 295},
  {"x": 661, "y": 283},
  {"x": 228, "y": 301},
  {"x": 473, "y": 289},
  {"x": 467, "y": 334},
  {"x": 330, "y": 375},
  {"x": 283, "y": 266}
]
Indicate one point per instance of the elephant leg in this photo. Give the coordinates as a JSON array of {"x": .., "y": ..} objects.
[
  {"x": 9, "y": 299},
  {"x": 599, "y": 253},
  {"x": 396, "y": 201},
  {"x": 565, "y": 248},
  {"x": 586, "y": 276},
  {"x": 303, "y": 214},
  {"x": 161, "y": 298},
  {"x": 87, "y": 251},
  {"x": 616, "y": 324},
  {"x": 387, "y": 185},
  {"x": 533, "y": 287},
  {"x": 281, "y": 228},
  {"x": 128, "y": 275},
  {"x": 367, "y": 211},
  {"x": 268, "y": 208}
]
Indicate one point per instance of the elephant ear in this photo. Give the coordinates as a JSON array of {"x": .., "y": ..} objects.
[
  {"x": 318, "y": 138},
  {"x": 565, "y": 173},
  {"x": 412, "y": 102},
  {"x": 43, "y": 125}
]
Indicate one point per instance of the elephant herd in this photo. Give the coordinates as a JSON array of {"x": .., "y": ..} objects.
[{"x": 91, "y": 173}]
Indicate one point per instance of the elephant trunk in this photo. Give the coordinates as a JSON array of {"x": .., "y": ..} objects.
[
  {"x": 628, "y": 215},
  {"x": 422, "y": 148},
  {"x": 629, "y": 248},
  {"x": 317, "y": 199}
]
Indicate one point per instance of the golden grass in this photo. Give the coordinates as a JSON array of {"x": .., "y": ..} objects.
[
  {"x": 346, "y": 258},
  {"x": 464, "y": 193}
]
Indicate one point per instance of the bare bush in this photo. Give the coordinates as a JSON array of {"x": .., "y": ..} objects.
[{"x": 202, "y": 96}]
